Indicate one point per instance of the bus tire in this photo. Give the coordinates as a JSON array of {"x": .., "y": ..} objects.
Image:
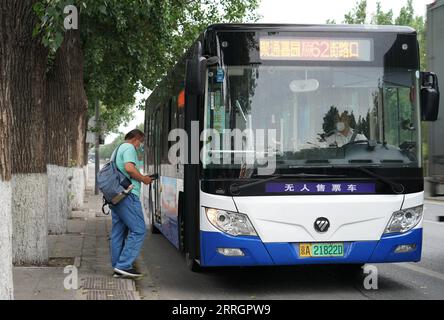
[{"x": 192, "y": 264}]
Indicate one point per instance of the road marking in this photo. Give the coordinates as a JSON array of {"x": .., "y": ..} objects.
[{"x": 422, "y": 270}]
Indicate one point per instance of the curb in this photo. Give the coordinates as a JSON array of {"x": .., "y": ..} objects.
[{"x": 431, "y": 199}]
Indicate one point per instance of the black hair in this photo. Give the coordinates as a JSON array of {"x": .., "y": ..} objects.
[{"x": 136, "y": 133}]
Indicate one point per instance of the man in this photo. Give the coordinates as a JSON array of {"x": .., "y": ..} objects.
[
  {"x": 128, "y": 225},
  {"x": 343, "y": 133}
]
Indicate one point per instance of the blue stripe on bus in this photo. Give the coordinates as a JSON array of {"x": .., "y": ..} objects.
[
  {"x": 253, "y": 248},
  {"x": 384, "y": 252},
  {"x": 288, "y": 253},
  {"x": 258, "y": 253}
]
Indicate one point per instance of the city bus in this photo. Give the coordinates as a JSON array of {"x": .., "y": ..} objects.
[{"x": 323, "y": 160}]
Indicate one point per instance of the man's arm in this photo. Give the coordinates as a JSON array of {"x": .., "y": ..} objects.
[{"x": 135, "y": 174}]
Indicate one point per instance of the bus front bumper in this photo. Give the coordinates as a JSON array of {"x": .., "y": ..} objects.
[{"x": 255, "y": 252}]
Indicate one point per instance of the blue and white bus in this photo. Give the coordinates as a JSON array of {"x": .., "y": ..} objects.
[{"x": 342, "y": 108}]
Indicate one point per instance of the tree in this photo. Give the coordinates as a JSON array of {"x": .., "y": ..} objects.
[
  {"x": 6, "y": 28},
  {"x": 123, "y": 47},
  {"x": 358, "y": 15},
  {"x": 107, "y": 150},
  {"x": 129, "y": 45},
  {"x": 407, "y": 18},
  {"x": 381, "y": 17},
  {"x": 28, "y": 154},
  {"x": 66, "y": 104},
  {"x": 329, "y": 124}
]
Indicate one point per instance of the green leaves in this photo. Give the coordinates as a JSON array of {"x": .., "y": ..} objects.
[
  {"x": 129, "y": 45},
  {"x": 406, "y": 17},
  {"x": 358, "y": 15}
]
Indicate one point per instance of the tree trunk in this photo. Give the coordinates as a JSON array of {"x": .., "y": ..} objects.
[
  {"x": 57, "y": 99},
  {"x": 6, "y": 284},
  {"x": 78, "y": 113},
  {"x": 29, "y": 180}
]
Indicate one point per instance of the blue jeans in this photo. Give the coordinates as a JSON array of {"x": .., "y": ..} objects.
[{"x": 128, "y": 232}]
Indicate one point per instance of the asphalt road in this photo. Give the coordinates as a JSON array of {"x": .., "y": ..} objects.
[{"x": 424, "y": 280}]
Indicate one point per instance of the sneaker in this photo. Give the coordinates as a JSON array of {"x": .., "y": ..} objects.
[
  {"x": 128, "y": 273},
  {"x": 117, "y": 275}
]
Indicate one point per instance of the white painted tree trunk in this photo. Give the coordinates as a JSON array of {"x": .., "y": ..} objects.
[
  {"x": 78, "y": 188},
  {"x": 30, "y": 218},
  {"x": 6, "y": 285},
  {"x": 58, "y": 198},
  {"x": 86, "y": 177}
]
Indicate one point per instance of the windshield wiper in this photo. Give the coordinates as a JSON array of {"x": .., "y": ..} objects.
[
  {"x": 371, "y": 144},
  {"x": 397, "y": 188},
  {"x": 235, "y": 188}
]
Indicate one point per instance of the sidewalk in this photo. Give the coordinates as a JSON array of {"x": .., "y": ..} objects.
[{"x": 85, "y": 246}]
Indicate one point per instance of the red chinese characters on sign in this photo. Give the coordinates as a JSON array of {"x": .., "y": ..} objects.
[{"x": 315, "y": 49}]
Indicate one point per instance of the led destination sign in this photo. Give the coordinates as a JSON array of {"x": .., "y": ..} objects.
[{"x": 316, "y": 49}]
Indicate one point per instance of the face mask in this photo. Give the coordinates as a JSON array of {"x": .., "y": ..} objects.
[
  {"x": 141, "y": 149},
  {"x": 340, "y": 126}
]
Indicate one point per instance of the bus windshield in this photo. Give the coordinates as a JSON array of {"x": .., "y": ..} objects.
[{"x": 317, "y": 115}]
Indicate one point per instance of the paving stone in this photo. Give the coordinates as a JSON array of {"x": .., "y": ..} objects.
[
  {"x": 76, "y": 225},
  {"x": 86, "y": 245}
]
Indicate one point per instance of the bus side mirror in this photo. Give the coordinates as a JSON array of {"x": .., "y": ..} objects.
[
  {"x": 429, "y": 96},
  {"x": 195, "y": 72}
]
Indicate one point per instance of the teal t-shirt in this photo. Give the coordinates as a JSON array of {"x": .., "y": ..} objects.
[{"x": 127, "y": 153}]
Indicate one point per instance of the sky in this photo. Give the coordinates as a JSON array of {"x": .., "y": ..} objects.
[
  {"x": 303, "y": 12},
  {"x": 318, "y": 11}
]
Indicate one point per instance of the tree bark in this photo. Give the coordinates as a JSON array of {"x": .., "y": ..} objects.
[
  {"x": 6, "y": 283},
  {"x": 57, "y": 100},
  {"x": 29, "y": 180},
  {"x": 78, "y": 107},
  {"x": 78, "y": 101}
]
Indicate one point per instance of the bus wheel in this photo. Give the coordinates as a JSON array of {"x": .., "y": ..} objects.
[{"x": 192, "y": 264}]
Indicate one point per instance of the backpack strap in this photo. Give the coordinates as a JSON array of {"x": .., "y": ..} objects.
[{"x": 113, "y": 158}]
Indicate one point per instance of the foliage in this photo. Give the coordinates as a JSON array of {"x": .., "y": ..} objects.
[
  {"x": 107, "y": 150},
  {"x": 358, "y": 15},
  {"x": 129, "y": 45},
  {"x": 329, "y": 124},
  {"x": 381, "y": 17}
]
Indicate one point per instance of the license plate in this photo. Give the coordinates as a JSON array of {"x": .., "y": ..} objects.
[{"x": 308, "y": 250}]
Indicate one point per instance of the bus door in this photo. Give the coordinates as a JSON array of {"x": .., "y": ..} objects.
[{"x": 157, "y": 164}]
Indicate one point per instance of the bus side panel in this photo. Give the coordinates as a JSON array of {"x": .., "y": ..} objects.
[{"x": 170, "y": 208}]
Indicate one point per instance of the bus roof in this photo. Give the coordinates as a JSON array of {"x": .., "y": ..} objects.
[{"x": 310, "y": 27}]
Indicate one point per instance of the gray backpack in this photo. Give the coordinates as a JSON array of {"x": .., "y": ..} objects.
[{"x": 114, "y": 185}]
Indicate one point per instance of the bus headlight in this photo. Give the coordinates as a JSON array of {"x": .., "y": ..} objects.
[
  {"x": 233, "y": 223},
  {"x": 404, "y": 220}
]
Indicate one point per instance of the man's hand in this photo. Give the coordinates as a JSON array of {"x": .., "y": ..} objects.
[
  {"x": 147, "y": 180},
  {"x": 135, "y": 174}
]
